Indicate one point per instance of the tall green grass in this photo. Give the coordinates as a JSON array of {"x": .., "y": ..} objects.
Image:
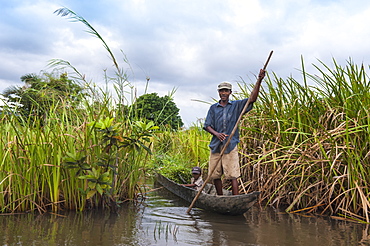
[
  {"x": 307, "y": 145},
  {"x": 75, "y": 158},
  {"x": 40, "y": 164},
  {"x": 176, "y": 152}
]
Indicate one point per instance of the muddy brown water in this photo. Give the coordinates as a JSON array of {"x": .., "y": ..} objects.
[{"x": 161, "y": 219}]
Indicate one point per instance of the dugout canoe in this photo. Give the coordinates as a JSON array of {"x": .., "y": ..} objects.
[{"x": 226, "y": 204}]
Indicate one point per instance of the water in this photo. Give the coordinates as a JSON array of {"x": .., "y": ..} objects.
[{"x": 162, "y": 220}]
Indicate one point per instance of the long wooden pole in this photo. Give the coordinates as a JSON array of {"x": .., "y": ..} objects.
[{"x": 227, "y": 142}]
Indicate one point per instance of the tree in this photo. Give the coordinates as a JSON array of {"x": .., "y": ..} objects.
[
  {"x": 39, "y": 93},
  {"x": 162, "y": 110}
]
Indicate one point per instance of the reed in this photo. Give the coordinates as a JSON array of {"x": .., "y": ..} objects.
[
  {"x": 71, "y": 161},
  {"x": 166, "y": 230},
  {"x": 305, "y": 145},
  {"x": 176, "y": 152},
  {"x": 74, "y": 157}
]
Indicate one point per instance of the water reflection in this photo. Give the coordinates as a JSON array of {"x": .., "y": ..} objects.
[
  {"x": 88, "y": 228},
  {"x": 162, "y": 220}
]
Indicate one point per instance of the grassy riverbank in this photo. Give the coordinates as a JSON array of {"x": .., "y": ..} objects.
[
  {"x": 69, "y": 154},
  {"x": 75, "y": 159},
  {"x": 305, "y": 146}
]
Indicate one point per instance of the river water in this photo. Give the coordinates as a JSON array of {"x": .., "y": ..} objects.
[{"x": 161, "y": 219}]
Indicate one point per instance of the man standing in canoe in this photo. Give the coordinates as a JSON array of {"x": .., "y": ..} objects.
[{"x": 220, "y": 121}]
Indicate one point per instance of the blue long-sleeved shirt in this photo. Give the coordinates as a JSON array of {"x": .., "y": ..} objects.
[{"x": 223, "y": 119}]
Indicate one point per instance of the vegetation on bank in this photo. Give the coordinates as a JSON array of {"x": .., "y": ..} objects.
[
  {"x": 307, "y": 144},
  {"x": 69, "y": 145},
  {"x": 176, "y": 152}
]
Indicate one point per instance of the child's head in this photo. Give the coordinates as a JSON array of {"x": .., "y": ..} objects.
[{"x": 196, "y": 171}]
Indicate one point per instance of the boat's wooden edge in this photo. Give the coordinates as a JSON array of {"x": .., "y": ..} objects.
[
  {"x": 219, "y": 204},
  {"x": 253, "y": 193}
]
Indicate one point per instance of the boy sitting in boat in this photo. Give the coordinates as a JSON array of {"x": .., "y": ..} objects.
[{"x": 196, "y": 181}]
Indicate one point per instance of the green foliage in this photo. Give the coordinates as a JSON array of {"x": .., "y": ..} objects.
[
  {"x": 141, "y": 132},
  {"x": 40, "y": 93},
  {"x": 161, "y": 110},
  {"x": 76, "y": 156},
  {"x": 176, "y": 152},
  {"x": 76, "y": 160},
  {"x": 115, "y": 151},
  {"x": 97, "y": 182},
  {"x": 174, "y": 167}
]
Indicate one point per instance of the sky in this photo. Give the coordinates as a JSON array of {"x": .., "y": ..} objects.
[{"x": 188, "y": 46}]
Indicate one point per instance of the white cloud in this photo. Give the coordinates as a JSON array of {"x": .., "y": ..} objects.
[{"x": 189, "y": 45}]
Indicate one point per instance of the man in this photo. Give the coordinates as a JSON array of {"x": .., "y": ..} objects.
[{"x": 220, "y": 122}]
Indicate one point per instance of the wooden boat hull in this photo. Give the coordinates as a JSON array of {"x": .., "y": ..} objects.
[{"x": 227, "y": 204}]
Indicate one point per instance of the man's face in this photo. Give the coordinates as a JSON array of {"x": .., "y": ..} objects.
[{"x": 224, "y": 94}]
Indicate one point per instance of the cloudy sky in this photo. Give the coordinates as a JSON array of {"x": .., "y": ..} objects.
[{"x": 190, "y": 46}]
